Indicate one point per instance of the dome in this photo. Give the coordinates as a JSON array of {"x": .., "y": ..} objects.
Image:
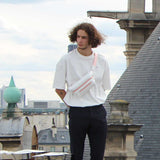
[{"x": 11, "y": 93}]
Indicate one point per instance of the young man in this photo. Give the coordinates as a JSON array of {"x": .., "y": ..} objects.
[{"x": 86, "y": 112}]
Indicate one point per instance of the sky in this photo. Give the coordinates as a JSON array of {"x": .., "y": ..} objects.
[{"x": 34, "y": 36}]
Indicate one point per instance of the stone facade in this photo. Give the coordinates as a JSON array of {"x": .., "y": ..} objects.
[
  {"x": 17, "y": 134},
  {"x": 139, "y": 85},
  {"x": 136, "y": 22},
  {"x": 120, "y": 140}
]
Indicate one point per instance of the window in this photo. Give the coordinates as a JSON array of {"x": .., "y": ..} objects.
[
  {"x": 52, "y": 149},
  {"x": 65, "y": 149},
  {"x": 40, "y": 148}
]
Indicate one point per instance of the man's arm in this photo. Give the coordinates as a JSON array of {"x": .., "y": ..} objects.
[{"x": 61, "y": 93}]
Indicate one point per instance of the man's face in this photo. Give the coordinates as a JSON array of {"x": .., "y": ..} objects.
[{"x": 82, "y": 39}]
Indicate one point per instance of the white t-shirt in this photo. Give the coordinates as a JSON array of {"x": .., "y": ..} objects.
[{"x": 71, "y": 68}]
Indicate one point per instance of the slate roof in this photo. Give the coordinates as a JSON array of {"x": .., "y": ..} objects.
[
  {"x": 61, "y": 137},
  {"x": 140, "y": 86},
  {"x": 12, "y": 127}
]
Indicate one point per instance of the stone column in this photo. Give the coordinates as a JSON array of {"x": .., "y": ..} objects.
[
  {"x": 137, "y": 33},
  {"x": 120, "y": 140},
  {"x": 156, "y": 6},
  {"x": 136, "y": 22},
  {"x": 136, "y": 6}
]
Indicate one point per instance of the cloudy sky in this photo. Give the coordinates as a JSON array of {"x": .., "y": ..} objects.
[{"x": 34, "y": 35}]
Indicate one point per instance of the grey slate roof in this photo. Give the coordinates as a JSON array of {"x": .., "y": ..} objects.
[
  {"x": 12, "y": 127},
  {"x": 140, "y": 86},
  {"x": 45, "y": 136},
  {"x": 61, "y": 137}
]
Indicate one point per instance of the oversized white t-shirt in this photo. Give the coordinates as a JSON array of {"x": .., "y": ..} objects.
[{"x": 71, "y": 68}]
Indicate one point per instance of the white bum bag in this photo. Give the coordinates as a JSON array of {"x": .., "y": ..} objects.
[{"x": 83, "y": 85}]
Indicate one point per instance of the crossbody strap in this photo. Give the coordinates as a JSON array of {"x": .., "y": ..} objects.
[{"x": 94, "y": 61}]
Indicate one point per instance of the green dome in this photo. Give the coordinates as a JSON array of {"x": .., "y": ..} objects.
[{"x": 11, "y": 93}]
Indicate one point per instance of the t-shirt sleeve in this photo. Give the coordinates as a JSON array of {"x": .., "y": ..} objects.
[
  {"x": 106, "y": 77},
  {"x": 60, "y": 75}
]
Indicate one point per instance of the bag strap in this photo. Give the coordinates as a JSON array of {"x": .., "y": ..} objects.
[{"x": 94, "y": 61}]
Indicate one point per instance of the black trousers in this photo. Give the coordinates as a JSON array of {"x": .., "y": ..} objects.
[{"x": 91, "y": 121}]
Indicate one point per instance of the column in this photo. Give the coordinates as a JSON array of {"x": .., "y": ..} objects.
[
  {"x": 156, "y": 6},
  {"x": 136, "y": 6}
]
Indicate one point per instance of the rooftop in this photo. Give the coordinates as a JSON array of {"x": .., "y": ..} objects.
[{"x": 140, "y": 86}]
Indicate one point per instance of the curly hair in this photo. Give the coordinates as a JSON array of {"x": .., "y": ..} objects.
[{"x": 95, "y": 38}]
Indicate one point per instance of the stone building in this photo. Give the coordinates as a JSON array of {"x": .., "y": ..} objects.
[
  {"x": 17, "y": 134},
  {"x": 140, "y": 86},
  {"x": 137, "y": 23},
  {"x": 16, "y": 131},
  {"x": 54, "y": 140}
]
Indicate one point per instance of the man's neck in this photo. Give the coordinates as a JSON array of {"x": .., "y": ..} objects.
[{"x": 85, "y": 52}]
